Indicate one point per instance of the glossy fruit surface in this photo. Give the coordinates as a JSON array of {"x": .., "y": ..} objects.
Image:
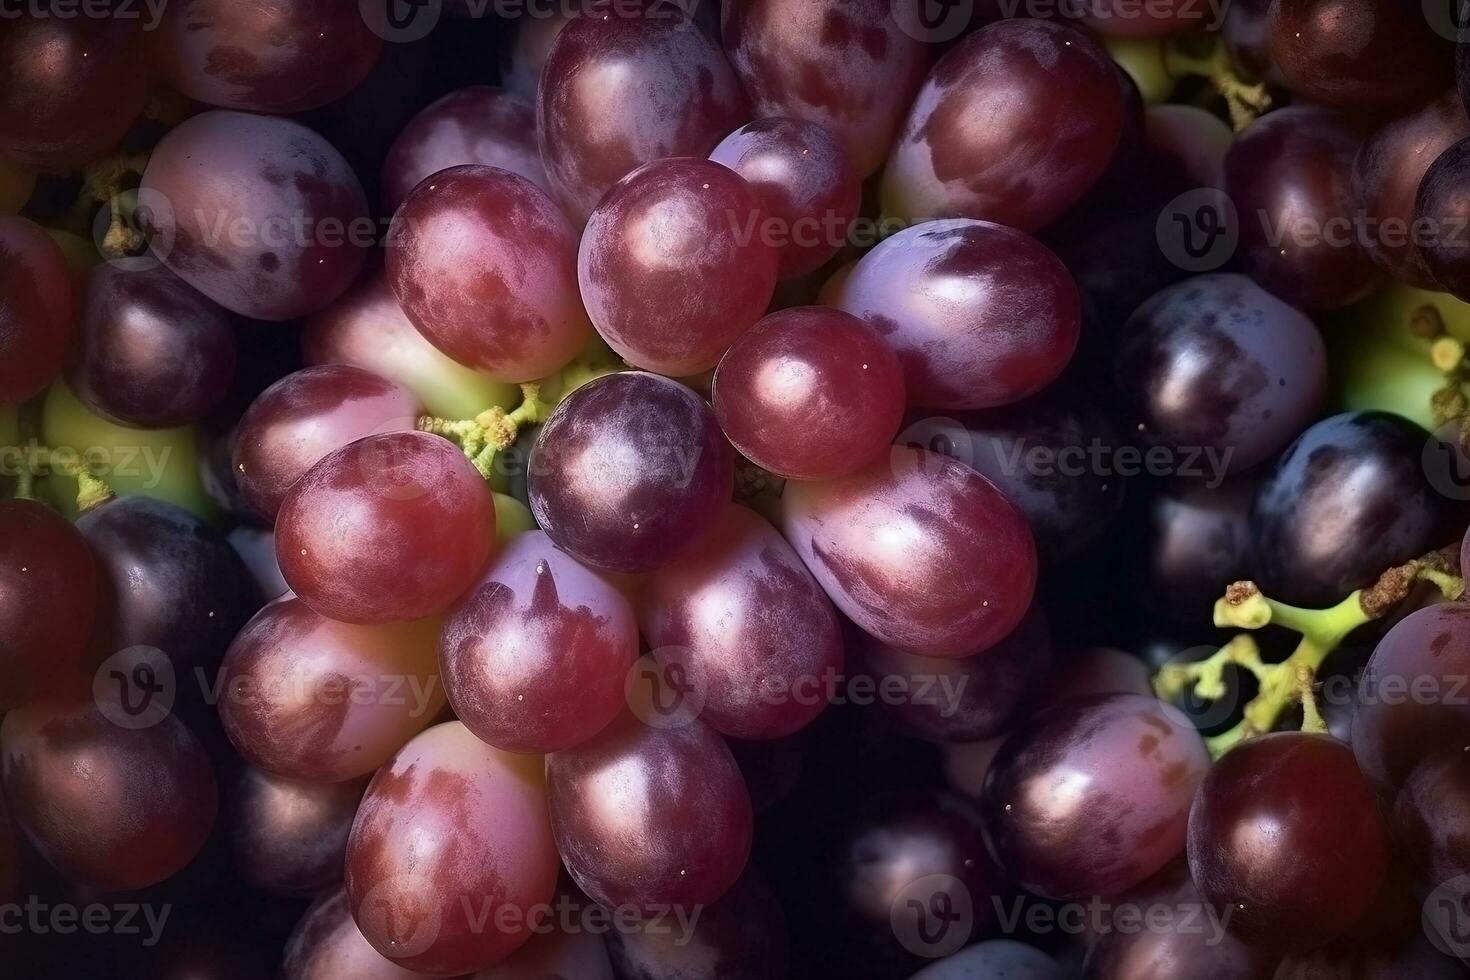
[
  {"x": 1357, "y": 54},
  {"x": 289, "y": 837},
  {"x": 36, "y": 308}
]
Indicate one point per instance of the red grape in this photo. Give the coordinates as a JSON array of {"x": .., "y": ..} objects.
[
  {"x": 920, "y": 551},
  {"x": 806, "y": 185},
  {"x": 623, "y": 87},
  {"x": 536, "y": 654},
  {"x": 849, "y": 66},
  {"x": 648, "y": 816},
  {"x": 36, "y": 307},
  {"x": 154, "y": 353},
  {"x": 486, "y": 267},
  {"x": 1122, "y": 18},
  {"x": 630, "y": 472},
  {"x": 746, "y": 621},
  {"x": 327, "y": 945},
  {"x": 307, "y": 698},
  {"x": 1430, "y": 814},
  {"x": 451, "y": 853},
  {"x": 809, "y": 393},
  {"x": 1097, "y": 670},
  {"x": 303, "y": 417},
  {"x": 70, "y": 87},
  {"x": 290, "y": 837},
  {"x": 392, "y": 527},
  {"x": 979, "y": 314},
  {"x": 1197, "y": 541},
  {"x": 268, "y": 55},
  {"x": 110, "y": 807},
  {"x": 1092, "y": 797},
  {"x": 258, "y": 213},
  {"x": 1287, "y": 832},
  {"x": 577, "y": 953},
  {"x": 1053, "y": 112},
  {"x": 9, "y": 856},
  {"x": 475, "y": 125},
  {"x": 673, "y": 267}
]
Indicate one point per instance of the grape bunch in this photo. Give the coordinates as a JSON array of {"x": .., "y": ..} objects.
[{"x": 734, "y": 490}]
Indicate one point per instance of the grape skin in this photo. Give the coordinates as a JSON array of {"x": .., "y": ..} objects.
[
  {"x": 36, "y": 305},
  {"x": 327, "y": 945},
  {"x": 289, "y": 837},
  {"x": 742, "y": 935}
]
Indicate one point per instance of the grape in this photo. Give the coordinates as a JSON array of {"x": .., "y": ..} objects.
[
  {"x": 1119, "y": 18},
  {"x": 536, "y": 654},
  {"x": 256, "y": 547},
  {"x": 307, "y": 698},
  {"x": 970, "y": 698},
  {"x": 9, "y": 856},
  {"x": 1363, "y": 55},
  {"x": 1248, "y": 41},
  {"x": 918, "y": 550},
  {"x": 630, "y": 472},
  {"x": 993, "y": 959},
  {"x": 367, "y": 328},
  {"x": 154, "y": 353},
  {"x": 1286, "y": 830},
  {"x": 110, "y": 807},
  {"x": 306, "y": 415},
  {"x": 746, "y": 621},
  {"x": 258, "y": 213},
  {"x": 1053, "y": 110},
  {"x": 1415, "y": 960},
  {"x": 979, "y": 314},
  {"x": 168, "y": 580},
  {"x": 673, "y": 265},
  {"x": 451, "y": 853},
  {"x": 162, "y": 464},
  {"x": 267, "y": 56},
  {"x": 1039, "y": 453},
  {"x": 806, "y": 185},
  {"x": 1411, "y": 703},
  {"x": 1193, "y": 139},
  {"x": 1092, "y": 797},
  {"x": 1183, "y": 937},
  {"x": 48, "y": 601},
  {"x": 16, "y": 185},
  {"x": 289, "y": 837},
  {"x": 648, "y": 816},
  {"x": 475, "y": 125},
  {"x": 850, "y": 67},
  {"x": 35, "y": 309},
  {"x": 70, "y": 87},
  {"x": 809, "y": 393},
  {"x": 1386, "y": 178},
  {"x": 1346, "y": 502},
  {"x": 1289, "y": 174},
  {"x": 1097, "y": 670},
  {"x": 1217, "y": 364},
  {"x": 1429, "y": 816},
  {"x": 327, "y": 945},
  {"x": 620, "y": 90},
  {"x": 485, "y": 266},
  {"x": 392, "y": 527},
  {"x": 1198, "y": 541},
  {"x": 1442, "y": 207},
  {"x": 743, "y": 936}
]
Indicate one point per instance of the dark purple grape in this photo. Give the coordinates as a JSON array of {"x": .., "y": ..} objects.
[
  {"x": 994, "y": 958},
  {"x": 36, "y": 310},
  {"x": 964, "y": 699},
  {"x": 1053, "y": 110},
  {"x": 647, "y": 816},
  {"x": 1431, "y": 818},
  {"x": 1191, "y": 139},
  {"x": 1287, "y": 833},
  {"x": 1289, "y": 175},
  {"x": 630, "y": 472},
  {"x": 1092, "y": 797},
  {"x": 1247, "y": 38},
  {"x": 303, "y": 417},
  {"x": 108, "y": 806},
  {"x": 741, "y": 937},
  {"x": 1413, "y": 698},
  {"x": 809, "y": 393},
  {"x": 154, "y": 352},
  {"x": 1386, "y": 177},
  {"x": 621, "y": 90},
  {"x": 258, "y": 213},
  {"x": 918, "y": 550},
  {"x": 451, "y": 835},
  {"x": 1197, "y": 541},
  {"x": 275, "y": 56},
  {"x": 48, "y": 601},
  {"x": 290, "y": 837},
  {"x": 70, "y": 87},
  {"x": 1096, "y": 670},
  {"x": 1216, "y": 366},
  {"x": 476, "y": 125},
  {"x": 1442, "y": 205},
  {"x": 327, "y": 945},
  {"x": 1345, "y": 503},
  {"x": 1414, "y": 960},
  {"x": 169, "y": 581},
  {"x": 748, "y": 626},
  {"x": 1054, "y": 455}
]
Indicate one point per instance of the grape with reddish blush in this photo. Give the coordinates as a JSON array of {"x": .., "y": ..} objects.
[
  {"x": 36, "y": 305},
  {"x": 328, "y": 945}
]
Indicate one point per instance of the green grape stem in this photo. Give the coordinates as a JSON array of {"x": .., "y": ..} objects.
[
  {"x": 494, "y": 429},
  {"x": 33, "y": 460},
  {"x": 1293, "y": 681},
  {"x": 1245, "y": 101}
]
